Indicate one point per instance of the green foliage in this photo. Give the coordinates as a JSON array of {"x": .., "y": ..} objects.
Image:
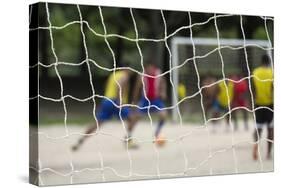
[
  {"x": 260, "y": 33},
  {"x": 69, "y": 46}
]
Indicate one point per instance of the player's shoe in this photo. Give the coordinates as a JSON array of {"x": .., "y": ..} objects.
[
  {"x": 129, "y": 142},
  {"x": 160, "y": 141}
]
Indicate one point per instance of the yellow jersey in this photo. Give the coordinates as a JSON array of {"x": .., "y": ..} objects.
[
  {"x": 112, "y": 88},
  {"x": 222, "y": 95},
  {"x": 181, "y": 91},
  {"x": 263, "y": 84}
]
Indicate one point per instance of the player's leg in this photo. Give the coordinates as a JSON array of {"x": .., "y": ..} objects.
[
  {"x": 88, "y": 133},
  {"x": 227, "y": 120},
  {"x": 216, "y": 112},
  {"x": 234, "y": 119},
  {"x": 207, "y": 103},
  {"x": 270, "y": 137},
  {"x": 257, "y": 135},
  {"x": 104, "y": 114},
  {"x": 162, "y": 114},
  {"x": 161, "y": 122},
  {"x": 245, "y": 119},
  {"x": 270, "y": 133},
  {"x": 131, "y": 118},
  {"x": 244, "y": 103},
  {"x": 234, "y": 114},
  {"x": 260, "y": 122}
]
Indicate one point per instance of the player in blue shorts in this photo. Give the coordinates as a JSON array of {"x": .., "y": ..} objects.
[
  {"x": 109, "y": 106},
  {"x": 155, "y": 93}
]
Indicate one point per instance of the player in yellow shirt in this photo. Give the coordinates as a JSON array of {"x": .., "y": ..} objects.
[
  {"x": 109, "y": 106},
  {"x": 181, "y": 95},
  {"x": 263, "y": 93},
  {"x": 223, "y": 100},
  {"x": 181, "y": 91}
]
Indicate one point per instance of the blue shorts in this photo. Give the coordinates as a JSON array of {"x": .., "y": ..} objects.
[
  {"x": 217, "y": 107},
  {"x": 107, "y": 110},
  {"x": 154, "y": 104}
]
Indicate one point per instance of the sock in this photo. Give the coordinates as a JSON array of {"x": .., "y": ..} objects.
[{"x": 159, "y": 127}]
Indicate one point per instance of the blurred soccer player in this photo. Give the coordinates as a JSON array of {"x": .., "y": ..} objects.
[
  {"x": 263, "y": 91},
  {"x": 155, "y": 91},
  {"x": 181, "y": 91},
  {"x": 222, "y": 102},
  {"x": 108, "y": 109},
  {"x": 181, "y": 96},
  {"x": 209, "y": 93},
  {"x": 240, "y": 100}
]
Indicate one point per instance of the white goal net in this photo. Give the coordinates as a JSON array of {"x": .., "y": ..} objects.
[{"x": 79, "y": 47}]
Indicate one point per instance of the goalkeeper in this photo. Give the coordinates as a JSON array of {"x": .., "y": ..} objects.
[{"x": 109, "y": 108}]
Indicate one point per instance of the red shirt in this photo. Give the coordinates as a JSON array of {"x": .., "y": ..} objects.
[
  {"x": 152, "y": 84},
  {"x": 240, "y": 89}
]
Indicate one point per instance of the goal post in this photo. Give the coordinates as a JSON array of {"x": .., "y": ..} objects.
[{"x": 178, "y": 42}]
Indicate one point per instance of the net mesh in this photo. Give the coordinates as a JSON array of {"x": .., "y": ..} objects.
[{"x": 197, "y": 55}]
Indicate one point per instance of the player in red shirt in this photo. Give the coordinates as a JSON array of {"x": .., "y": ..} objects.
[
  {"x": 155, "y": 94},
  {"x": 240, "y": 99}
]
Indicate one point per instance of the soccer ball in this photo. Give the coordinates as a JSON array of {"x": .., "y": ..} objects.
[{"x": 160, "y": 141}]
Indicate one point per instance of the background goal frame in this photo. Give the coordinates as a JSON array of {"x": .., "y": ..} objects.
[{"x": 176, "y": 41}]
